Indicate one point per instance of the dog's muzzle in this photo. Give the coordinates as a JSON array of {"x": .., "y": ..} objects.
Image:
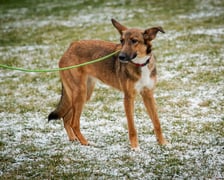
[{"x": 125, "y": 58}]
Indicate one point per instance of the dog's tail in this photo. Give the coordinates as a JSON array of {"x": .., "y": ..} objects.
[{"x": 62, "y": 107}]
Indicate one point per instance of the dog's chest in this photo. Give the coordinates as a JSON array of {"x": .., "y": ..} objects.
[{"x": 145, "y": 81}]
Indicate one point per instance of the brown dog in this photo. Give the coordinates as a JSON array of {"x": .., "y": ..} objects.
[{"x": 132, "y": 71}]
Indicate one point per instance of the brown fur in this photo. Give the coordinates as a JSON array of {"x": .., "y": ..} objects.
[{"x": 117, "y": 71}]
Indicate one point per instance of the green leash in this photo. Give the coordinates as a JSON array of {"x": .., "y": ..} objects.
[{"x": 59, "y": 69}]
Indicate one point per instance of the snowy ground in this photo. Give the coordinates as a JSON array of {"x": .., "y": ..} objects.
[{"x": 190, "y": 93}]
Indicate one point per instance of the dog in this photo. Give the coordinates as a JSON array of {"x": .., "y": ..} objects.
[{"x": 132, "y": 71}]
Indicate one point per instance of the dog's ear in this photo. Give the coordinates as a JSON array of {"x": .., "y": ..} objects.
[
  {"x": 118, "y": 26},
  {"x": 150, "y": 33}
]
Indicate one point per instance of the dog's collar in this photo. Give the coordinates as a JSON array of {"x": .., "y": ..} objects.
[{"x": 142, "y": 64}]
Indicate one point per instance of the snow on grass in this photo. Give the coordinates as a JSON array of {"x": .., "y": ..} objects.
[
  {"x": 212, "y": 31},
  {"x": 189, "y": 98}
]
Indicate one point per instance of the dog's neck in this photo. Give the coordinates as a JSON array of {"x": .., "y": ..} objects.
[{"x": 141, "y": 62}]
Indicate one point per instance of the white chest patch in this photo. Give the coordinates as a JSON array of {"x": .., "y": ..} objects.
[{"x": 145, "y": 80}]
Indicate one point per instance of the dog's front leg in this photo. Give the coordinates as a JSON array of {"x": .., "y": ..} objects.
[
  {"x": 129, "y": 110},
  {"x": 150, "y": 105}
]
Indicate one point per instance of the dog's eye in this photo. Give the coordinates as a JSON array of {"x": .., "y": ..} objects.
[
  {"x": 134, "y": 41},
  {"x": 122, "y": 41}
]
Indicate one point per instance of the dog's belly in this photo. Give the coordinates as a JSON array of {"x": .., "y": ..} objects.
[{"x": 145, "y": 81}]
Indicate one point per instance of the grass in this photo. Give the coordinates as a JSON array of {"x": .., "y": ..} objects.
[{"x": 189, "y": 93}]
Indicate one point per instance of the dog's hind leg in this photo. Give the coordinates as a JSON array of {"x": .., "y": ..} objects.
[
  {"x": 67, "y": 125},
  {"x": 78, "y": 100},
  {"x": 150, "y": 105},
  {"x": 74, "y": 84},
  {"x": 68, "y": 117}
]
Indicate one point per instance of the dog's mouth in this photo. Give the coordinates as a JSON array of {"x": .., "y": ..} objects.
[
  {"x": 124, "y": 62},
  {"x": 125, "y": 58}
]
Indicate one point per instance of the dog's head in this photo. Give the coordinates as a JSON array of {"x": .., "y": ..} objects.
[{"x": 135, "y": 42}]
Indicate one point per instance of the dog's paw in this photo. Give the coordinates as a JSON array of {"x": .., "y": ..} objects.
[
  {"x": 91, "y": 143},
  {"x": 73, "y": 139},
  {"x": 136, "y": 149},
  {"x": 163, "y": 142},
  {"x": 166, "y": 144}
]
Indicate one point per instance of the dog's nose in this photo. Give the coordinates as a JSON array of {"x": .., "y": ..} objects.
[{"x": 122, "y": 56}]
